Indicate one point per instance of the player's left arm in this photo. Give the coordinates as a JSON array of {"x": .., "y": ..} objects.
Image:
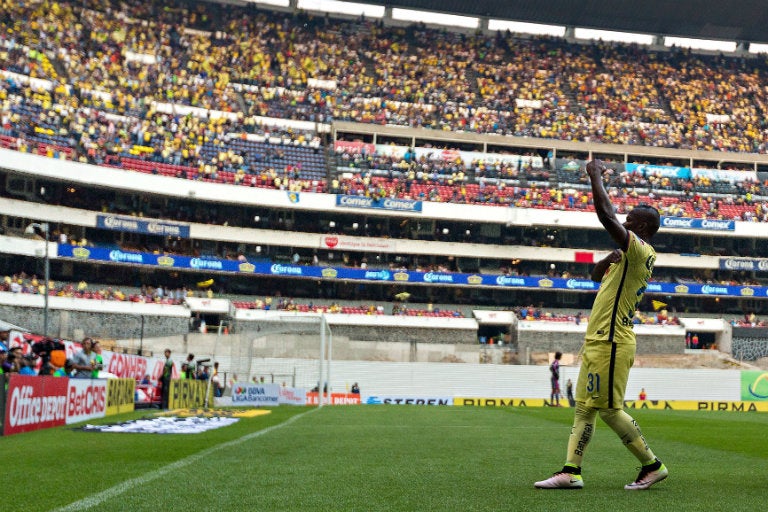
[
  {"x": 602, "y": 266},
  {"x": 604, "y": 207}
]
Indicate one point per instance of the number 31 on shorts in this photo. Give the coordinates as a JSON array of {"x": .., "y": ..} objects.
[{"x": 593, "y": 383}]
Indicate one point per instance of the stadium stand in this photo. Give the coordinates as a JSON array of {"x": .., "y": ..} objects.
[
  {"x": 171, "y": 92},
  {"x": 378, "y": 75}
]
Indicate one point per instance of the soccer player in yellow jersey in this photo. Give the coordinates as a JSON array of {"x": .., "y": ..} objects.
[{"x": 609, "y": 346}]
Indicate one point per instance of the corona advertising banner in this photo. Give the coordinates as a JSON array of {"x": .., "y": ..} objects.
[{"x": 266, "y": 268}]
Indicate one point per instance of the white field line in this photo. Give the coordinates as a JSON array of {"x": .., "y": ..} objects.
[{"x": 114, "y": 491}]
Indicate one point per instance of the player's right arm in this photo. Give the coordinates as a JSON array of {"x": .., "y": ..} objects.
[{"x": 604, "y": 207}]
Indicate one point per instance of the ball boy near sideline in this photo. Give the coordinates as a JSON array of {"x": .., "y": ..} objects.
[{"x": 609, "y": 345}]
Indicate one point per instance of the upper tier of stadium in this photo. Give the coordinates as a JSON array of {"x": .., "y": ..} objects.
[
  {"x": 63, "y": 60},
  {"x": 191, "y": 91}
]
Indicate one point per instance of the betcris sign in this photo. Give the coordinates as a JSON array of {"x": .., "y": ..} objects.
[
  {"x": 386, "y": 203},
  {"x": 708, "y": 224},
  {"x": 147, "y": 227},
  {"x": 86, "y": 399}
]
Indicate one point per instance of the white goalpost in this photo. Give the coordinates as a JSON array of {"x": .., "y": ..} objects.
[{"x": 294, "y": 350}]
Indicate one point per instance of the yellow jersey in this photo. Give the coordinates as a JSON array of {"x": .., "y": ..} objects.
[{"x": 621, "y": 291}]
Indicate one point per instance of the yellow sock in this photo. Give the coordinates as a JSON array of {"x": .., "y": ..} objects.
[
  {"x": 629, "y": 432},
  {"x": 581, "y": 434}
]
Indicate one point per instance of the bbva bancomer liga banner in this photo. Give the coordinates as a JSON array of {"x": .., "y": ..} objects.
[
  {"x": 246, "y": 393},
  {"x": 34, "y": 402}
]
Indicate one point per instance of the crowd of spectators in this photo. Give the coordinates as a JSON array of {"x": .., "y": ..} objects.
[
  {"x": 290, "y": 304},
  {"x": 110, "y": 68},
  {"x": 122, "y": 58},
  {"x": 116, "y": 68},
  {"x": 661, "y": 317},
  {"x": 533, "y": 313},
  {"x": 493, "y": 181},
  {"x": 30, "y": 283},
  {"x": 749, "y": 319}
]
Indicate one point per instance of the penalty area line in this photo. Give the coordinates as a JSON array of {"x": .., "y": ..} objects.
[{"x": 116, "y": 490}]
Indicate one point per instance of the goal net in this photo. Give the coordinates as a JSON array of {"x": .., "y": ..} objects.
[{"x": 291, "y": 350}]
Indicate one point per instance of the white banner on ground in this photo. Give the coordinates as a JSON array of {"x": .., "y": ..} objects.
[{"x": 165, "y": 425}]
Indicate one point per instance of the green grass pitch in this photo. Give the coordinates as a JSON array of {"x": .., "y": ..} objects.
[{"x": 388, "y": 458}]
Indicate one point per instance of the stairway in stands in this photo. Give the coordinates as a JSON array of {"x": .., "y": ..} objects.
[
  {"x": 570, "y": 94},
  {"x": 61, "y": 70},
  {"x": 364, "y": 30},
  {"x": 330, "y": 166},
  {"x": 471, "y": 75},
  {"x": 240, "y": 101},
  {"x": 370, "y": 66},
  {"x": 664, "y": 103}
]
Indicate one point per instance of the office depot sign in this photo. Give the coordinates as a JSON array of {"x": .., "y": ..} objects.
[
  {"x": 336, "y": 398},
  {"x": 34, "y": 403},
  {"x": 42, "y": 402}
]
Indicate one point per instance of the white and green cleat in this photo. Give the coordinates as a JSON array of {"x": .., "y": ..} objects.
[
  {"x": 561, "y": 480},
  {"x": 649, "y": 475}
]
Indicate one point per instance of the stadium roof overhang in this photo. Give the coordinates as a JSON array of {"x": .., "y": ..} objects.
[{"x": 732, "y": 20}]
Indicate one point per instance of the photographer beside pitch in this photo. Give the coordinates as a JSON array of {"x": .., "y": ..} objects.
[{"x": 609, "y": 346}]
